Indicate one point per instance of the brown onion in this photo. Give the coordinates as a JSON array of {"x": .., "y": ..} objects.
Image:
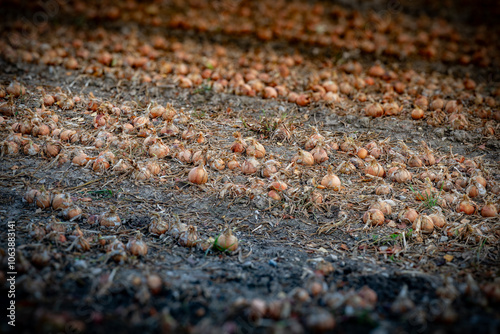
[
  {"x": 374, "y": 110},
  {"x": 256, "y": 149},
  {"x": 375, "y": 169},
  {"x": 303, "y": 158},
  {"x": 408, "y": 215},
  {"x": 189, "y": 238},
  {"x": 438, "y": 219},
  {"x": 489, "y": 210},
  {"x": 136, "y": 246},
  {"x": 227, "y": 241},
  {"x": 374, "y": 217},
  {"x": 110, "y": 218},
  {"x": 466, "y": 206},
  {"x": 198, "y": 175},
  {"x": 383, "y": 206},
  {"x": 330, "y": 180},
  {"x": 250, "y": 166},
  {"x": 423, "y": 223}
]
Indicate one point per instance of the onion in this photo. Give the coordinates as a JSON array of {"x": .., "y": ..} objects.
[
  {"x": 489, "y": 210},
  {"x": 392, "y": 109},
  {"x": 303, "y": 158},
  {"x": 61, "y": 201},
  {"x": 316, "y": 197},
  {"x": 189, "y": 133},
  {"x": 15, "y": 89},
  {"x": 189, "y": 238},
  {"x": 438, "y": 219},
  {"x": 177, "y": 228},
  {"x": 72, "y": 212},
  {"x": 330, "y": 180},
  {"x": 423, "y": 223},
  {"x": 10, "y": 148},
  {"x": 382, "y": 206},
  {"x": 466, "y": 206},
  {"x": 274, "y": 195},
  {"x": 437, "y": 104},
  {"x": 31, "y": 148},
  {"x": 169, "y": 113},
  {"x": 117, "y": 250},
  {"x": 239, "y": 145},
  {"x": 408, "y": 215},
  {"x": 414, "y": 161},
  {"x": 233, "y": 163},
  {"x": 80, "y": 159},
  {"x": 374, "y": 217},
  {"x": 100, "y": 165},
  {"x": 110, "y": 218},
  {"x": 152, "y": 166},
  {"x": 217, "y": 164},
  {"x": 136, "y": 246},
  {"x": 43, "y": 199},
  {"x": 52, "y": 149},
  {"x": 278, "y": 185},
  {"x": 169, "y": 130},
  {"x": 314, "y": 139},
  {"x": 158, "y": 150},
  {"x": 227, "y": 241},
  {"x": 402, "y": 175},
  {"x": 270, "y": 167},
  {"x": 362, "y": 152},
  {"x": 198, "y": 175},
  {"x": 184, "y": 155},
  {"x": 156, "y": 111},
  {"x": 250, "y": 166},
  {"x": 375, "y": 169},
  {"x": 256, "y": 149},
  {"x": 319, "y": 154},
  {"x": 158, "y": 226},
  {"x": 417, "y": 113},
  {"x": 30, "y": 195},
  {"x": 383, "y": 189},
  {"x": 374, "y": 110}
]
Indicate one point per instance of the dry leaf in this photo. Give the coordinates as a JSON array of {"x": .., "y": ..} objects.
[{"x": 448, "y": 257}]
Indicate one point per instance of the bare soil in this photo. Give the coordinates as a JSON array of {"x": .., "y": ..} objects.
[{"x": 284, "y": 246}]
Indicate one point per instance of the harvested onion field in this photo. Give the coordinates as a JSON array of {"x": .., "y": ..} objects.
[{"x": 249, "y": 167}]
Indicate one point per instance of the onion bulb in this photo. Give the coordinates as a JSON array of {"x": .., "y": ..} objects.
[
  {"x": 256, "y": 149},
  {"x": 198, "y": 175},
  {"x": 238, "y": 145},
  {"x": 319, "y": 154},
  {"x": 423, "y": 223},
  {"x": 466, "y": 206},
  {"x": 438, "y": 219},
  {"x": 110, "y": 218},
  {"x": 61, "y": 201},
  {"x": 330, "y": 180},
  {"x": 136, "y": 246},
  {"x": 250, "y": 166},
  {"x": 227, "y": 241},
  {"x": 157, "y": 226},
  {"x": 375, "y": 217},
  {"x": 43, "y": 199},
  {"x": 489, "y": 210},
  {"x": 375, "y": 169},
  {"x": 189, "y": 238},
  {"x": 408, "y": 215},
  {"x": 383, "y": 206},
  {"x": 303, "y": 158}
]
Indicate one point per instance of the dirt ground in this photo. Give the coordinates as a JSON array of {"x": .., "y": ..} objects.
[{"x": 302, "y": 265}]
